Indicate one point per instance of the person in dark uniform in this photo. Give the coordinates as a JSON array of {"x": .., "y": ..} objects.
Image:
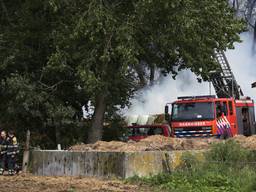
[
  {"x": 3, "y": 151},
  {"x": 12, "y": 151}
]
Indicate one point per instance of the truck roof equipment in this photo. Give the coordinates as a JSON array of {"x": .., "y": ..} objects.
[
  {"x": 224, "y": 80},
  {"x": 197, "y": 97}
]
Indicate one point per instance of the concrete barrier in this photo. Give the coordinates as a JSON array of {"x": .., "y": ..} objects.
[{"x": 106, "y": 164}]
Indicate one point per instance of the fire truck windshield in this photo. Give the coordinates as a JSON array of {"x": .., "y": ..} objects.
[{"x": 192, "y": 111}]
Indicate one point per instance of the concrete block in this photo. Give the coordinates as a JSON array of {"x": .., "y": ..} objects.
[
  {"x": 107, "y": 164},
  {"x": 36, "y": 164},
  {"x": 57, "y": 163},
  {"x": 143, "y": 163},
  {"x": 78, "y": 164}
]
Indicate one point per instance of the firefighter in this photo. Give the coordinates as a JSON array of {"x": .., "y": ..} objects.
[
  {"x": 12, "y": 151},
  {"x": 3, "y": 151},
  {"x": 245, "y": 119}
]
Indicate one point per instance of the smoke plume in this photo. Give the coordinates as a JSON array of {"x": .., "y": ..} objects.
[{"x": 152, "y": 100}]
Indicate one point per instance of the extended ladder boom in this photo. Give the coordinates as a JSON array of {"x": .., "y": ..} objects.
[{"x": 223, "y": 80}]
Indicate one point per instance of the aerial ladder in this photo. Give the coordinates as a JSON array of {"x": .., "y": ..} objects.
[{"x": 223, "y": 79}]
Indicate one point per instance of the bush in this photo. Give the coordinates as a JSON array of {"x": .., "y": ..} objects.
[
  {"x": 226, "y": 168},
  {"x": 229, "y": 151}
]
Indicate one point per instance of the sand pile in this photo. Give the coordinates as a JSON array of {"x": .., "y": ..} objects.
[
  {"x": 152, "y": 143},
  {"x": 246, "y": 142},
  {"x": 159, "y": 143}
]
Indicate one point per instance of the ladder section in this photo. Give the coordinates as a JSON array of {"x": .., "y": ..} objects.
[{"x": 223, "y": 79}]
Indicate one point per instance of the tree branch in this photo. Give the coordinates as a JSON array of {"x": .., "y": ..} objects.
[{"x": 6, "y": 12}]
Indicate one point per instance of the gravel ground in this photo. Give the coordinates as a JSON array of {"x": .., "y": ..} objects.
[{"x": 30, "y": 183}]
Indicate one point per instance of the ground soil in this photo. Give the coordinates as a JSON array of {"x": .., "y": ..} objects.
[
  {"x": 246, "y": 142},
  {"x": 29, "y": 183},
  {"x": 157, "y": 142}
]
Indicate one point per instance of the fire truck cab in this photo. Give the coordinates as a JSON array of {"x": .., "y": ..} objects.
[{"x": 205, "y": 116}]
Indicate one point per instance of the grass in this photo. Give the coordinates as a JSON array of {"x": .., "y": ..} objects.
[{"x": 227, "y": 168}]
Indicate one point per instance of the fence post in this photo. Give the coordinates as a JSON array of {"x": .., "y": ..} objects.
[{"x": 26, "y": 153}]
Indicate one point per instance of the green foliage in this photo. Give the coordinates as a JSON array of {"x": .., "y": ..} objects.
[
  {"x": 228, "y": 152},
  {"x": 71, "y": 189},
  {"x": 226, "y": 168},
  {"x": 115, "y": 129},
  {"x": 190, "y": 161},
  {"x": 33, "y": 95}
]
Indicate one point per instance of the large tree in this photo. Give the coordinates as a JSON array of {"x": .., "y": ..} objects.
[
  {"x": 108, "y": 44},
  {"x": 55, "y": 55}
]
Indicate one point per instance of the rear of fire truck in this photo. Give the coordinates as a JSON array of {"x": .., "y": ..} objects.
[{"x": 142, "y": 126}]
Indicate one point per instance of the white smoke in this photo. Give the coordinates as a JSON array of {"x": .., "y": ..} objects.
[
  {"x": 153, "y": 99},
  {"x": 243, "y": 64}
]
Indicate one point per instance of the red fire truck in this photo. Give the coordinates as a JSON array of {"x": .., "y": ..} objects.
[
  {"x": 204, "y": 116},
  {"x": 229, "y": 114}
]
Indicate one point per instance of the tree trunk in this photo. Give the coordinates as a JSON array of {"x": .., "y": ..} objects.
[
  {"x": 152, "y": 74},
  {"x": 96, "y": 130},
  {"x": 141, "y": 74}
]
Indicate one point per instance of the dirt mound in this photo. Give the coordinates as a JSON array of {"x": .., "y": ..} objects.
[
  {"x": 246, "y": 142},
  {"x": 24, "y": 183},
  {"x": 152, "y": 143},
  {"x": 99, "y": 146}
]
